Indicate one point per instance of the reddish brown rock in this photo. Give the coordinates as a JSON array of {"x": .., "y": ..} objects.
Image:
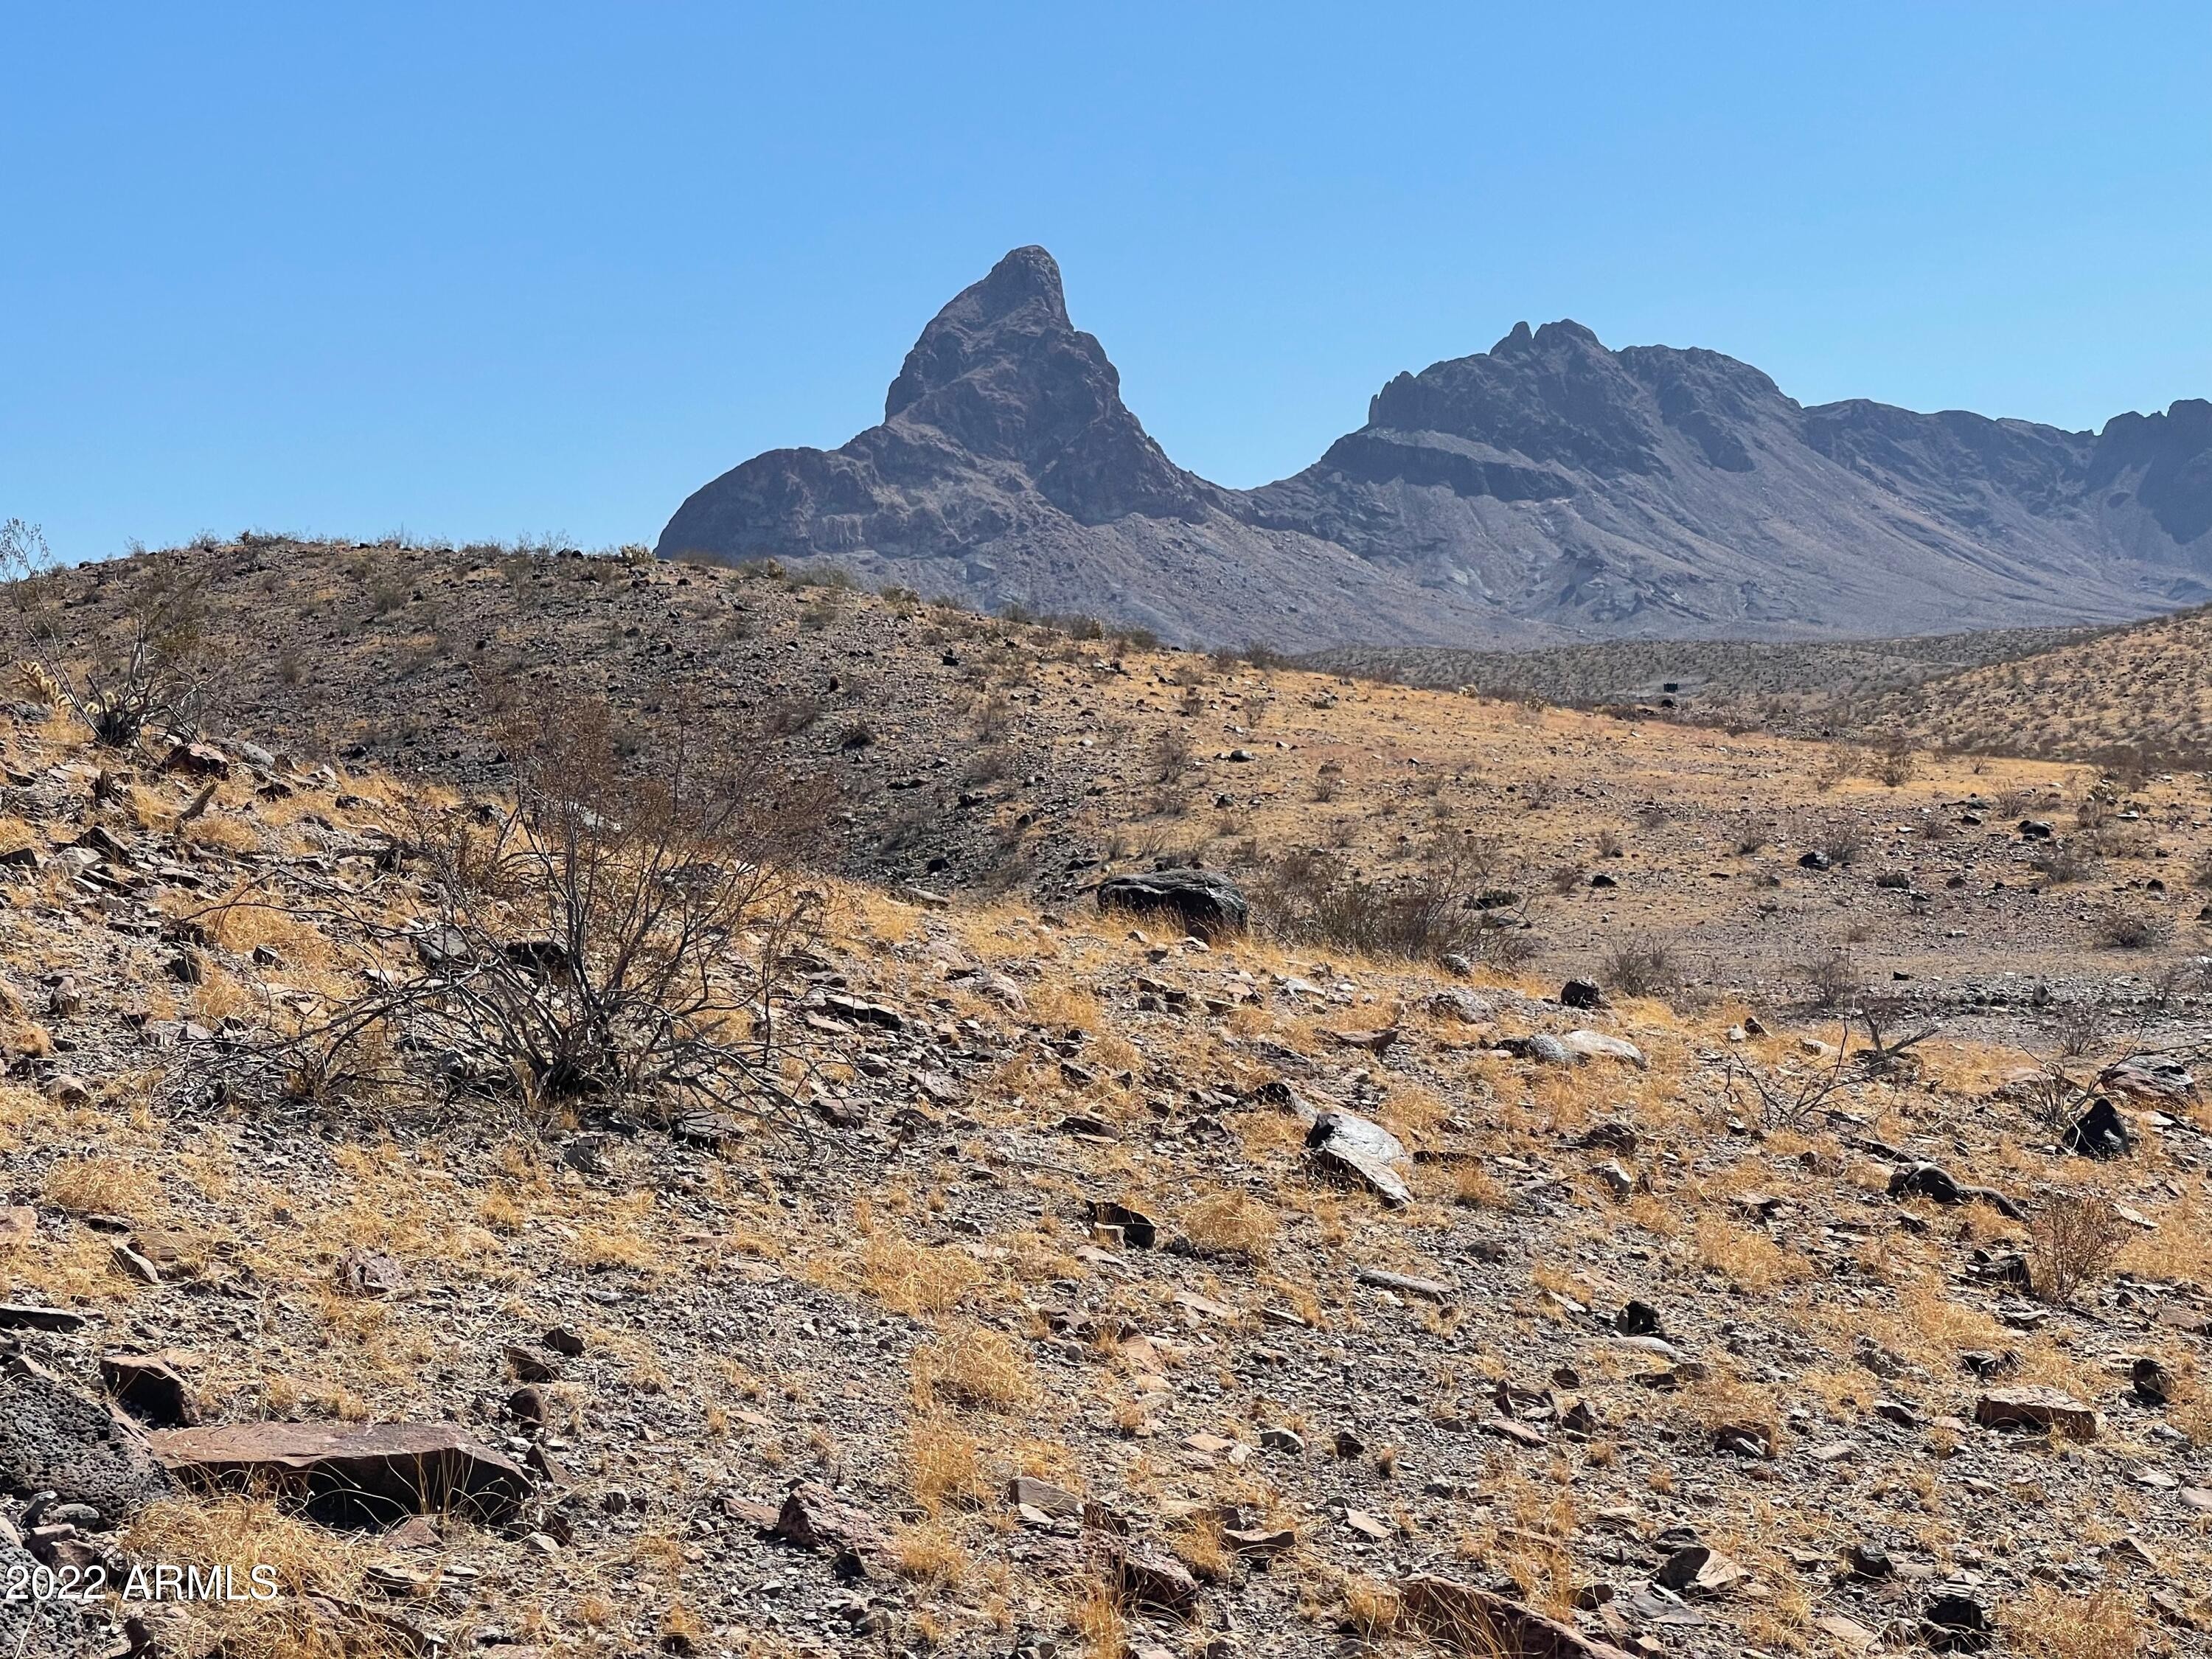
[
  {"x": 2045, "y": 1411},
  {"x": 355, "y": 1476},
  {"x": 1470, "y": 1620},
  {"x": 150, "y": 1389}
]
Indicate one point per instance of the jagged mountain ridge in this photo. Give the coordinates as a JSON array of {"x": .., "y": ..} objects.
[{"x": 1547, "y": 490}]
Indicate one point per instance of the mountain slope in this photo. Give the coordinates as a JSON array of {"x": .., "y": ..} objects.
[{"x": 1547, "y": 490}]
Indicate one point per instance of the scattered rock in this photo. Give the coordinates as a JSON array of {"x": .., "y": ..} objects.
[
  {"x": 2098, "y": 1132},
  {"x": 1351, "y": 1148},
  {"x": 1955, "y": 1623},
  {"x": 1596, "y": 1045},
  {"x": 1581, "y": 993},
  {"x": 54, "y": 1439},
  {"x": 1429, "y": 1290},
  {"x": 1937, "y": 1185},
  {"x": 2151, "y": 1382},
  {"x": 1700, "y": 1570},
  {"x": 151, "y": 1389},
  {"x": 27, "y": 1317},
  {"x": 366, "y": 1273},
  {"x": 1136, "y": 1228},
  {"x": 1148, "y": 1577}
]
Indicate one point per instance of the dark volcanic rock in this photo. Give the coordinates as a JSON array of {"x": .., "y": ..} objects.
[
  {"x": 1199, "y": 901},
  {"x": 1549, "y": 486},
  {"x": 54, "y": 1439}
]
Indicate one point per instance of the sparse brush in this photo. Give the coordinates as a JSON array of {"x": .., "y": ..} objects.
[
  {"x": 147, "y": 670},
  {"x": 1170, "y": 754},
  {"x": 1315, "y": 898},
  {"x": 1832, "y": 976},
  {"x": 2124, "y": 929},
  {"x": 622, "y": 932},
  {"x": 1643, "y": 966},
  {"x": 2073, "y": 1240},
  {"x": 2065, "y": 861}
]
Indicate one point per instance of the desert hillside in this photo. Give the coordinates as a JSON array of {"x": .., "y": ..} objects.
[
  {"x": 543, "y": 1164},
  {"x": 976, "y": 756}
]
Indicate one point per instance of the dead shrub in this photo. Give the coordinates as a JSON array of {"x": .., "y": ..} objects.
[
  {"x": 2125, "y": 929},
  {"x": 1643, "y": 966},
  {"x": 1832, "y": 976},
  {"x": 2071, "y": 1243},
  {"x": 1315, "y": 898},
  {"x": 620, "y": 933},
  {"x": 1170, "y": 754},
  {"x": 2065, "y": 861}
]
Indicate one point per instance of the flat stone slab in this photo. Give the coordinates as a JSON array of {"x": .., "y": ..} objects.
[
  {"x": 353, "y": 1476},
  {"x": 2044, "y": 1411}
]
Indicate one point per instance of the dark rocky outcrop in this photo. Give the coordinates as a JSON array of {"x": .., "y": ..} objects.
[
  {"x": 54, "y": 1439},
  {"x": 1198, "y": 901},
  {"x": 1548, "y": 489}
]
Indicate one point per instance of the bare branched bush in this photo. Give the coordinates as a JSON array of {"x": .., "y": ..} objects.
[
  {"x": 1897, "y": 763},
  {"x": 2071, "y": 1243},
  {"x": 620, "y": 936},
  {"x": 1784, "y": 1101},
  {"x": 147, "y": 669},
  {"x": 2124, "y": 929},
  {"x": 1170, "y": 754},
  {"x": 2065, "y": 861},
  {"x": 1644, "y": 966},
  {"x": 1891, "y": 1036},
  {"x": 1832, "y": 976},
  {"x": 2084, "y": 1027}
]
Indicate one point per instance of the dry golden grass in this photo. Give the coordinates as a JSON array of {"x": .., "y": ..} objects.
[
  {"x": 1372, "y": 1608},
  {"x": 102, "y": 1185},
  {"x": 908, "y": 1277},
  {"x": 2055, "y": 1624},
  {"x": 1222, "y": 1221},
  {"x": 974, "y": 1365},
  {"x": 241, "y": 1534},
  {"x": 929, "y": 1554},
  {"x": 1750, "y": 1261},
  {"x": 1094, "y": 1613},
  {"x": 944, "y": 1463}
]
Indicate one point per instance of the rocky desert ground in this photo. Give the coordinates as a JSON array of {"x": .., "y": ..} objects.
[{"x": 565, "y": 1104}]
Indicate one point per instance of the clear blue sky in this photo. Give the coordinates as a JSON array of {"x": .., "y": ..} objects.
[{"x": 485, "y": 270}]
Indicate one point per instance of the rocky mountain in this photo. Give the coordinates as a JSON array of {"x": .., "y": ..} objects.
[{"x": 1548, "y": 490}]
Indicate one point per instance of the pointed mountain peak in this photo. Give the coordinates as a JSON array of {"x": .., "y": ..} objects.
[
  {"x": 1028, "y": 276},
  {"x": 1013, "y": 312}
]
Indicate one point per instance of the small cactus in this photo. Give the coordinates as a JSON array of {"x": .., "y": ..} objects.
[{"x": 35, "y": 683}]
